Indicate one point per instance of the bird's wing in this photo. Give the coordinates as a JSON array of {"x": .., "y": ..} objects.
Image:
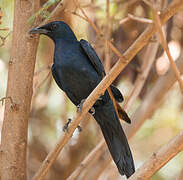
[
  {"x": 95, "y": 61},
  {"x": 93, "y": 57},
  {"x": 116, "y": 93}
]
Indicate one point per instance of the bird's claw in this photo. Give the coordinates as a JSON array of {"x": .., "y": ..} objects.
[
  {"x": 80, "y": 106},
  {"x": 66, "y": 126},
  {"x": 79, "y": 128}
]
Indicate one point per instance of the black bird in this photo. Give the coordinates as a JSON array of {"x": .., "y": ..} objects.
[{"x": 77, "y": 70}]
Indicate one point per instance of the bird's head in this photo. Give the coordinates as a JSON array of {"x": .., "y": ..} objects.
[{"x": 55, "y": 30}]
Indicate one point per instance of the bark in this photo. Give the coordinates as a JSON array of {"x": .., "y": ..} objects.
[
  {"x": 159, "y": 159},
  {"x": 19, "y": 89}
]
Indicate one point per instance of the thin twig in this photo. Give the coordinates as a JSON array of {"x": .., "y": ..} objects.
[
  {"x": 47, "y": 67},
  {"x": 87, "y": 160},
  {"x": 124, "y": 20},
  {"x": 92, "y": 162},
  {"x": 140, "y": 19},
  {"x": 108, "y": 33},
  {"x": 148, "y": 3},
  {"x": 166, "y": 48},
  {"x": 40, "y": 84},
  {"x": 74, "y": 13},
  {"x": 3, "y": 39},
  {"x": 139, "y": 83},
  {"x": 99, "y": 32},
  {"x": 159, "y": 159}
]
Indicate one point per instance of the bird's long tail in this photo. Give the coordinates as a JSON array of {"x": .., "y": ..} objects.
[{"x": 115, "y": 138}]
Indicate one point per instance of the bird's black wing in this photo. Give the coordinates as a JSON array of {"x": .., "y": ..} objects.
[
  {"x": 93, "y": 57},
  {"x": 97, "y": 64},
  {"x": 116, "y": 93}
]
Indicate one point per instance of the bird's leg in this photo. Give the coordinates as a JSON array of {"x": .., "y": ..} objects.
[{"x": 66, "y": 126}]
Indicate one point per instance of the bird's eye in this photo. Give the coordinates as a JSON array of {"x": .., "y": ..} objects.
[{"x": 53, "y": 27}]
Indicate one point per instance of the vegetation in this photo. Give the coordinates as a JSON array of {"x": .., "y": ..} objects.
[{"x": 34, "y": 109}]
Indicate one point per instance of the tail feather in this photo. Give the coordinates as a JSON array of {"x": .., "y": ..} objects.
[{"x": 116, "y": 140}]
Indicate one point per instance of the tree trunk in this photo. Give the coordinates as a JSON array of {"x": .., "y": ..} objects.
[{"x": 19, "y": 93}]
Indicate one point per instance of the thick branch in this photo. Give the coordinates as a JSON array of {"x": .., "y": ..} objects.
[{"x": 19, "y": 89}]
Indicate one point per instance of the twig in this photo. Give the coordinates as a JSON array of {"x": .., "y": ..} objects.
[
  {"x": 124, "y": 20},
  {"x": 140, "y": 19},
  {"x": 4, "y": 98},
  {"x": 99, "y": 32},
  {"x": 108, "y": 32},
  {"x": 148, "y": 3},
  {"x": 102, "y": 167},
  {"x": 139, "y": 83},
  {"x": 99, "y": 148},
  {"x": 40, "y": 84},
  {"x": 3, "y": 39},
  {"x": 180, "y": 177},
  {"x": 159, "y": 159},
  {"x": 166, "y": 48},
  {"x": 74, "y": 13},
  {"x": 42, "y": 69},
  {"x": 91, "y": 164}
]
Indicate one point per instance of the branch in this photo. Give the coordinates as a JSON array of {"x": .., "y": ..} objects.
[
  {"x": 140, "y": 19},
  {"x": 159, "y": 159},
  {"x": 99, "y": 148},
  {"x": 108, "y": 34},
  {"x": 165, "y": 47},
  {"x": 99, "y": 32},
  {"x": 146, "y": 67}
]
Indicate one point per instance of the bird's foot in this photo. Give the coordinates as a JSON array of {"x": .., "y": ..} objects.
[
  {"x": 80, "y": 106},
  {"x": 66, "y": 126},
  {"x": 79, "y": 128}
]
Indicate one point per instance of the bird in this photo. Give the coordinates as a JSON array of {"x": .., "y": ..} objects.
[{"x": 77, "y": 70}]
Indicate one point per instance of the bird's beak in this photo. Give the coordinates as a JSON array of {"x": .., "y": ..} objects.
[{"x": 38, "y": 30}]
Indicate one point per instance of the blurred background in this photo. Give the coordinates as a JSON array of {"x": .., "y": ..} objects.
[{"x": 51, "y": 108}]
